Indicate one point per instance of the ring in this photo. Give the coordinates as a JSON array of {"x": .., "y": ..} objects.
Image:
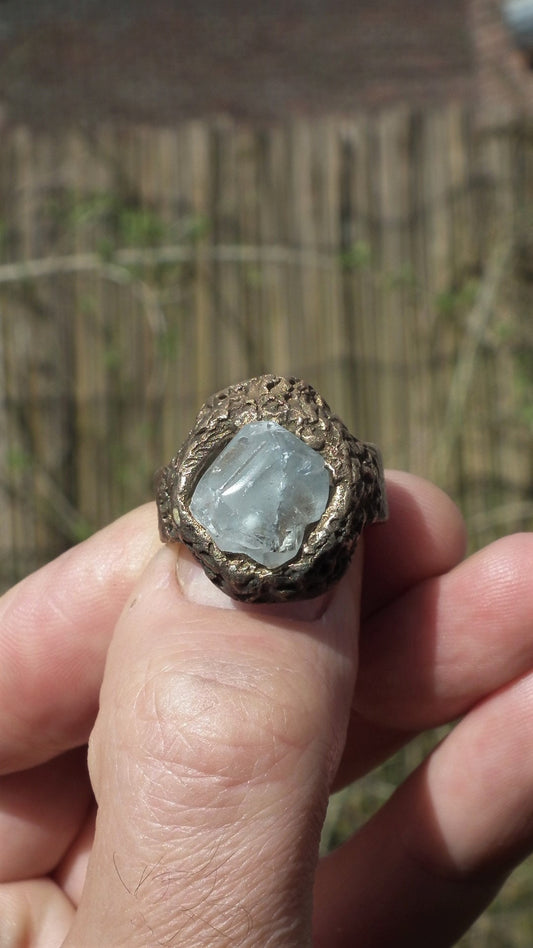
[{"x": 271, "y": 491}]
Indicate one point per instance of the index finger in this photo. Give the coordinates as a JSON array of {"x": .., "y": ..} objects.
[{"x": 55, "y": 628}]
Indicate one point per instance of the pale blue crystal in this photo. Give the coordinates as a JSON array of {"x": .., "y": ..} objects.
[{"x": 261, "y": 492}]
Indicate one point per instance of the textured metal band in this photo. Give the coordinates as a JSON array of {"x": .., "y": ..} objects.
[{"x": 357, "y": 494}]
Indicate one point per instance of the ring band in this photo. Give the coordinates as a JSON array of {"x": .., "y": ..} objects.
[{"x": 355, "y": 490}]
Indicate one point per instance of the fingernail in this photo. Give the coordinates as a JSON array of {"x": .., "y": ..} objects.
[{"x": 196, "y": 587}]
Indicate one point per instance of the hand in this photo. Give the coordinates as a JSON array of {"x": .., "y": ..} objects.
[{"x": 223, "y": 728}]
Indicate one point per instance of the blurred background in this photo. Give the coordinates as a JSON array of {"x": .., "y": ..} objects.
[{"x": 340, "y": 190}]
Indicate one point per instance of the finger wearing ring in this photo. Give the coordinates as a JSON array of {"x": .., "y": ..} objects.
[{"x": 271, "y": 491}]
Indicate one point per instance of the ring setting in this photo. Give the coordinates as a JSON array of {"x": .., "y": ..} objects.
[{"x": 271, "y": 491}]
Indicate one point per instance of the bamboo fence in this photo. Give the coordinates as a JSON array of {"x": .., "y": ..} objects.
[{"x": 387, "y": 259}]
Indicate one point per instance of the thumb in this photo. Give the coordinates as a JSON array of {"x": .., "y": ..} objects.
[{"x": 219, "y": 732}]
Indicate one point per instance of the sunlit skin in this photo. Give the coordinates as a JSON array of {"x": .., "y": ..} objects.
[{"x": 216, "y": 732}]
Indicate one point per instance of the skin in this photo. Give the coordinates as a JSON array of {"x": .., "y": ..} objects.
[{"x": 216, "y": 732}]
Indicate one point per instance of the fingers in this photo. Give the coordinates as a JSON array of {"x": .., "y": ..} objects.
[
  {"x": 55, "y": 628},
  {"x": 431, "y": 654},
  {"x": 217, "y": 738},
  {"x": 40, "y": 813},
  {"x": 56, "y": 625},
  {"x": 424, "y": 536},
  {"x": 34, "y": 913},
  {"x": 429, "y": 862},
  {"x": 448, "y": 642},
  {"x": 71, "y": 871}
]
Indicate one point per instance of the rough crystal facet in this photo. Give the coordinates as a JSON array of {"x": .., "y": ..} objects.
[{"x": 261, "y": 492}]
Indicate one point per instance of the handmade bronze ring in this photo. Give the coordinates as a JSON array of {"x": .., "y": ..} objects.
[{"x": 271, "y": 491}]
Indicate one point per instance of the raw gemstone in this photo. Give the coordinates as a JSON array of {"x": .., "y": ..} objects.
[{"x": 261, "y": 492}]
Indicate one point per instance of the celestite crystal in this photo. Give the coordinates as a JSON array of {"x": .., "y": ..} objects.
[{"x": 261, "y": 492}]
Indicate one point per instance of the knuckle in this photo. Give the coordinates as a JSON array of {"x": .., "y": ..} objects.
[{"x": 215, "y": 724}]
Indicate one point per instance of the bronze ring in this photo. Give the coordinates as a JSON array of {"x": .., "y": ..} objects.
[{"x": 356, "y": 496}]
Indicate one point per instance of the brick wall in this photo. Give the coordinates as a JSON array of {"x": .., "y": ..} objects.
[
  {"x": 163, "y": 61},
  {"x": 67, "y": 62}
]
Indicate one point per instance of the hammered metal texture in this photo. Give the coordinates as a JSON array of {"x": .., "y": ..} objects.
[{"x": 357, "y": 493}]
